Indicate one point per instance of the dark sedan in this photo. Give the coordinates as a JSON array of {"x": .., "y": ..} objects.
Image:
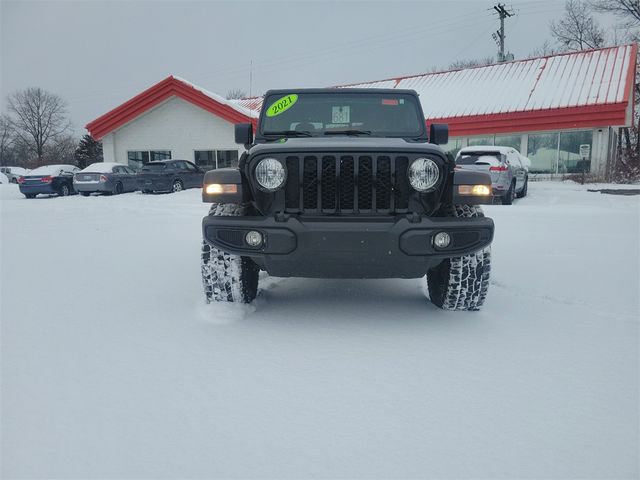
[
  {"x": 105, "y": 177},
  {"x": 49, "y": 179},
  {"x": 169, "y": 176}
]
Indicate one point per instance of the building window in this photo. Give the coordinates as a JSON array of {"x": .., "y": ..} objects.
[
  {"x": 512, "y": 141},
  {"x": 574, "y": 155},
  {"x": 453, "y": 146},
  {"x": 542, "y": 150},
  {"x": 156, "y": 155},
  {"x": 136, "y": 159},
  {"x": 205, "y": 159},
  {"x": 212, "y": 159},
  {"x": 227, "y": 158},
  {"x": 475, "y": 141}
]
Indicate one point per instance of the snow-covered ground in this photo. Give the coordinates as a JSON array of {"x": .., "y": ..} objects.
[{"x": 113, "y": 367}]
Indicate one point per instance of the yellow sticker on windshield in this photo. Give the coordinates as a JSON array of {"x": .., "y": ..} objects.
[{"x": 282, "y": 105}]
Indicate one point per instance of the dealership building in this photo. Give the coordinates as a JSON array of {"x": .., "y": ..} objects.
[{"x": 562, "y": 111}]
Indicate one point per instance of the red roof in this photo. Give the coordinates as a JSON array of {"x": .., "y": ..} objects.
[
  {"x": 586, "y": 89},
  {"x": 169, "y": 87}
]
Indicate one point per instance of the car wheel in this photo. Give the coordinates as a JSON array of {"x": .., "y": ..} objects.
[
  {"x": 227, "y": 277},
  {"x": 461, "y": 283},
  {"x": 30, "y": 195},
  {"x": 177, "y": 186},
  {"x": 85, "y": 194},
  {"x": 523, "y": 193},
  {"x": 144, "y": 190},
  {"x": 117, "y": 189},
  {"x": 508, "y": 197},
  {"x": 64, "y": 190},
  {"x": 14, "y": 180}
]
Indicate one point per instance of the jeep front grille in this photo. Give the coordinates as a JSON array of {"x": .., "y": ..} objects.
[{"x": 330, "y": 183}]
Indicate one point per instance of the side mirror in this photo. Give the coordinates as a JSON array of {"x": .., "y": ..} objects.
[
  {"x": 244, "y": 133},
  {"x": 439, "y": 133}
]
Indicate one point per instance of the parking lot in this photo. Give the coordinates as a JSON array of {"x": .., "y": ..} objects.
[{"x": 113, "y": 366}]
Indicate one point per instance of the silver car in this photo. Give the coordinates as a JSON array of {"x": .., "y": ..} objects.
[
  {"x": 14, "y": 173},
  {"x": 508, "y": 169},
  {"x": 105, "y": 177}
]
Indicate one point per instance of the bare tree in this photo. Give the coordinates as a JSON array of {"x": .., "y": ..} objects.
[
  {"x": 627, "y": 10},
  {"x": 577, "y": 29},
  {"x": 236, "y": 94},
  {"x": 6, "y": 140},
  {"x": 544, "y": 50},
  {"x": 473, "y": 62},
  {"x": 39, "y": 119}
]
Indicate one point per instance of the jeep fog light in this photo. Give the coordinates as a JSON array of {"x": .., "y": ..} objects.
[
  {"x": 480, "y": 190},
  {"x": 442, "y": 240},
  {"x": 423, "y": 174},
  {"x": 270, "y": 174},
  {"x": 218, "y": 188},
  {"x": 253, "y": 238}
]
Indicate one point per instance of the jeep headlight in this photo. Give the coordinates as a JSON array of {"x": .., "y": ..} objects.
[
  {"x": 423, "y": 174},
  {"x": 270, "y": 174}
]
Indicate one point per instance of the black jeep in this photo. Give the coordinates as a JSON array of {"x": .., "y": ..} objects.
[{"x": 345, "y": 183}]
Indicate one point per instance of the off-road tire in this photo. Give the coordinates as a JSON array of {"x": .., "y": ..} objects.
[
  {"x": 461, "y": 283},
  {"x": 523, "y": 193},
  {"x": 227, "y": 277},
  {"x": 508, "y": 197}
]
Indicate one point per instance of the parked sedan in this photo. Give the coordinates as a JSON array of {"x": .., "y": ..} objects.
[
  {"x": 14, "y": 173},
  {"x": 49, "y": 179},
  {"x": 105, "y": 177},
  {"x": 169, "y": 176},
  {"x": 508, "y": 169}
]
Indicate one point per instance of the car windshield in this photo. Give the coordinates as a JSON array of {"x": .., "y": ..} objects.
[
  {"x": 342, "y": 113},
  {"x": 153, "y": 166}
]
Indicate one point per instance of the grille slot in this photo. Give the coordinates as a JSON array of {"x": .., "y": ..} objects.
[{"x": 357, "y": 183}]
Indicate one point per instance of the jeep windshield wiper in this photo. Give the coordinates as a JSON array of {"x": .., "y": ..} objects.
[
  {"x": 290, "y": 133},
  {"x": 347, "y": 132}
]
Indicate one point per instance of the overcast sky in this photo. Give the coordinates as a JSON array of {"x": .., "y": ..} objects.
[{"x": 97, "y": 54}]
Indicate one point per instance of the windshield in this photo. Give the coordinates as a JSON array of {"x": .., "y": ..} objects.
[{"x": 338, "y": 113}]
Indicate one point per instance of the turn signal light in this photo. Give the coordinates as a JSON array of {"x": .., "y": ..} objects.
[
  {"x": 501, "y": 168},
  {"x": 20, "y": 179},
  {"x": 481, "y": 190},
  {"x": 218, "y": 188},
  {"x": 47, "y": 179}
]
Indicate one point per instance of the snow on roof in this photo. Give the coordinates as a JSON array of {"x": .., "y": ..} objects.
[
  {"x": 487, "y": 148},
  {"x": 232, "y": 103},
  {"x": 592, "y": 77},
  {"x": 102, "y": 167},
  {"x": 51, "y": 169}
]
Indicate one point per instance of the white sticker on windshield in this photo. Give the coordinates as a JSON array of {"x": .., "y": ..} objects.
[{"x": 340, "y": 115}]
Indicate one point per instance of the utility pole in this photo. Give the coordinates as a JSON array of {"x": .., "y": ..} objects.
[{"x": 499, "y": 35}]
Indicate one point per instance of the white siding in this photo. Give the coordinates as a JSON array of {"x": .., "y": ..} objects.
[{"x": 174, "y": 125}]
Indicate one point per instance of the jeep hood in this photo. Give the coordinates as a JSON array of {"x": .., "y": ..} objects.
[{"x": 344, "y": 144}]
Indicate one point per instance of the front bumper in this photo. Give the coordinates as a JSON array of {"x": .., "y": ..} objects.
[{"x": 335, "y": 247}]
